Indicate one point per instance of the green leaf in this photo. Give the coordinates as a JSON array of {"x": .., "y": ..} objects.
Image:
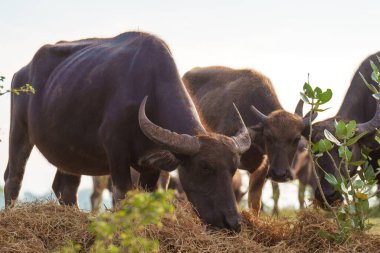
[
  {"x": 331, "y": 137},
  {"x": 321, "y": 110},
  {"x": 325, "y": 96},
  {"x": 331, "y": 179},
  {"x": 308, "y": 90},
  {"x": 377, "y": 138},
  {"x": 350, "y": 128},
  {"x": 375, "y": 72},
  {"x": 305, "y": 98},
  {"x": 345, "y": 153},
  {"x": 369, "y": 173},
  {"x": 357, "y": 163},
  {"x": 324, "y": 145},
  {"x": 369, "y": 86},
  {"x": 343, "y": 187},
  {"x": 356, "y": 138},
  {"x": 376, "y": 96},
  {"x": 340, "y": 130},
  {"x": 357, "y": 184},
  {"x": 365, "y": 205},
  {"x": 317, "y": 92}
]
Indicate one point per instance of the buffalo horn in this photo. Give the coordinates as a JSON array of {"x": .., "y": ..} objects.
[
  {"x": 242, "y": 138},
  {"x": 177, "y": 143},
  {"x": 373, "y": 124},
  {"x": 258, "y": 114},
  {"x": 299, "y": 112}
]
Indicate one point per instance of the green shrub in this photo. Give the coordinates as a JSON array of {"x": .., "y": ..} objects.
[
  {"x": 353, "y": 213},
  {"x": 121, "y": 231}
]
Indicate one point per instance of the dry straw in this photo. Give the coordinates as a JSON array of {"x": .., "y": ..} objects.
[{"x": 45, "y": 227}]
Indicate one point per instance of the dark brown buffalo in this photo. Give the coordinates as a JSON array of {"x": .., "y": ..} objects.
[
  {"x": 358, "y": 105},
  {"x": 88, "y": 117},
  {"x": 276, "y": 131}
]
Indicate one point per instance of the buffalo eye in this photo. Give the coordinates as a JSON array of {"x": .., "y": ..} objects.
[{"x": 296, "y": 140}]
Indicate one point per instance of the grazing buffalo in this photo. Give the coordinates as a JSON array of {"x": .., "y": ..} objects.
[
  {"x": 358, "y": 105},
  {"x": 276, "y": 131},
  {"x": 103, "y": 105}
]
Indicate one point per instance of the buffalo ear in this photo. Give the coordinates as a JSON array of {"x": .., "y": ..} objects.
[
  {"x": 159, "y": 160},
  {"x": 255, "y": 130},
  {"x": 306, "y": 132}
]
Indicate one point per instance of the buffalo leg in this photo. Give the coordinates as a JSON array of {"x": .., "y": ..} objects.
[
  {"x": 301, "y": 195},
  {"x": 65, "y": 188},
  {"x": 119, "y": 165},
  {"x": 149, "y": 180},
  {"x": 276, "y": 197},
  {"x": 257, "y": 180},
  {"x": 99, "y": 185},
  {"x": 164, "y": 180},
  {"x": 19, "y": 152}
]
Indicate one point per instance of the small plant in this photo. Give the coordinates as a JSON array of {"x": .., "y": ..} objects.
[
  {"x": 356, "y": 190},
  {"x": 27, "y": 88},
  {"x": 119, "y": 231}
]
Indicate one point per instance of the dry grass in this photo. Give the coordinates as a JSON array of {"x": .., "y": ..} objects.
[
  {"x": 42, "y": 227},
  {"x": 45, "y": 227}
]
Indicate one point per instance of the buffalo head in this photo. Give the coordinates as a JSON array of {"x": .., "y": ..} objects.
[
  {"x": 281, "y": 132},
  {"x": 206, "y": 164}
]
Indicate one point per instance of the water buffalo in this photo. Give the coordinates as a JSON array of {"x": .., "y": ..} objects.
[
  {"x": 276, "y": 132},
  {"x": 103, "y": 105},
  {"x": 358, "y": 105}
]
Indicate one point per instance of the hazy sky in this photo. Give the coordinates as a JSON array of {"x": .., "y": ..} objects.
[{"x": 283, "y": 39}]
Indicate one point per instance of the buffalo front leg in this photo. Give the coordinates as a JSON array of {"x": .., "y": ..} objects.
[
  {"x": 19, "y": 152},
  {"x": 301, "y": 194},
  {"x": 119, "y": 165},
  {"x": 276, "y": 197},
  {"x": 149, "y": 180},
  {"x": 164, "y": 180},
  {"x": 65, "y": 188},
  {"x": 99, "y": 185},
  {"x": 257, "y": 180}
]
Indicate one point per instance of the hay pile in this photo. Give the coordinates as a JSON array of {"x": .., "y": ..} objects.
[
  {"x": 42, "y": 227},
  {"x": 187, "y": 234},
  {"x": 45, "y": 227}
]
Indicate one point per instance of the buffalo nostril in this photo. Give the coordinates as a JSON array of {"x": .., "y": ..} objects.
[
  {"x": 234, "y": 223},
  {"x": 237, "y": 227}
]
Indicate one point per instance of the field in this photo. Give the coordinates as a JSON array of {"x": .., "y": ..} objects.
[{"x": 47, "y": 227}]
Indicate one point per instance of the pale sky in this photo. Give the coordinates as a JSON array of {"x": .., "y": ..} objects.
[{"x": 285, "y": 40}]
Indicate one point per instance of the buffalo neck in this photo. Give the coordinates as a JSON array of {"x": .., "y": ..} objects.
[{"x": 358, "y": 103}]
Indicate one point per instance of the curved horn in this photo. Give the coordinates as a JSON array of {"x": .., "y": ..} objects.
[
  {"x": 299, "y": 112},
  {"x": 242, "y": 138},
  {"x": 178, "y": 143},
  {"x": 299, "y": 108},
  {"x": 258, "y": 114},
  {"x": 373, "y": 124}
]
